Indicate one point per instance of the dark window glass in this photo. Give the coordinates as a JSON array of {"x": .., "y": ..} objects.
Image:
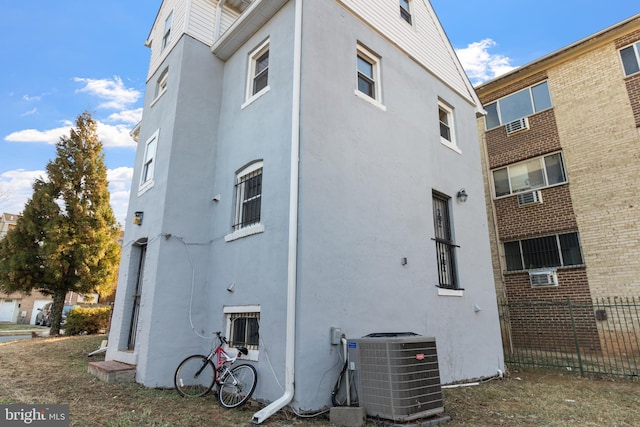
[
  {"x": 261, "y": 78},
  {"x": 445, "y": 248},
  {"x": 555, "y": 169},
  {"x": 445, "y": 127},
  {"x": 405, "y": 13},
  {"x": 366, "y": 83},
  {"x": 501, "y": 182},
  {"x": 540, "y": 252},
  {"x": 512, "y": 256},
  {"x": 492, "y": 118},
  {"x": 570, "y": 247},
  {"x": 629, "y": 60}
]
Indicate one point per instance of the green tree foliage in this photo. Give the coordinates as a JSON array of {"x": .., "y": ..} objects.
[{"x": 66, "y": 239}]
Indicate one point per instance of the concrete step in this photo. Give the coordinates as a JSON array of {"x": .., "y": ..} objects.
[{"x": 111, "y": 371}]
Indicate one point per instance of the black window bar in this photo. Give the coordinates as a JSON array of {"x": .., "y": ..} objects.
[
  {"x": 249, "y": 197},
  {"x": 445, "y": 247}
]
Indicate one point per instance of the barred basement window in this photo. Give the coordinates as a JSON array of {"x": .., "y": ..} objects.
[{"x": 244, "y": 330}]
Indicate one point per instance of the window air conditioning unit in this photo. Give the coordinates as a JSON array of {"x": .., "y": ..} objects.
[
  {"x": 517, "y": 125},
  {"x": 529, "y": 198},
  {"x": 397, "y": 375},
  {"x": 539, "y": 278}
]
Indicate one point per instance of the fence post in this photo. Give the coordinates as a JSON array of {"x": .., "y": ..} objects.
[{"x": 575, "y": 335}]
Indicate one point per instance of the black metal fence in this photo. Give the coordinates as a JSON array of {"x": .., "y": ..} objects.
[{"x": 593, "y": 337}]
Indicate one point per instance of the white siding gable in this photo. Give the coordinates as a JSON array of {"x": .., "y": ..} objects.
[
  {"x": 193, "y": 17},
  {"x": 424, "y": 40}
]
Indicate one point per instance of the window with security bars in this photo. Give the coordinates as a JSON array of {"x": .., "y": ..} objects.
[
  {"x": 244, "y": 330},
  {"x": 541, "y": 252},
  {"x": 445, "y": 247},
  {"x": 248, "y": 196}
]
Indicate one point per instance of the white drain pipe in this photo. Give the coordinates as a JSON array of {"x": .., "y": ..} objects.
[{"x": 290, "y": 344}]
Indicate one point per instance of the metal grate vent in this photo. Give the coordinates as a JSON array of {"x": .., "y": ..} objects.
[
  {"x": 517, "y": 125},
  {"x": 543, "y": 278},
  {"x": 398, "y": 378},
  {"x": 529, "y": 198}
]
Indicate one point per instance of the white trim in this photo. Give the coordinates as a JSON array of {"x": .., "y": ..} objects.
[
  {"x": 374, "y": 60},
  {"x": 451, "y": 144},
  {"x": 144, "y": 186},
  {"x": 443, "y": 292},
  {"x": 254, "y": 97},
  {"x": 231, "y": 309},
  {"x": 370, "y": 100},
  {"x": 251, "y": 73},
  {"x": 244, "y": 232}
]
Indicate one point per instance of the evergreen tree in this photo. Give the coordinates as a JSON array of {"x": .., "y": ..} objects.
[{"x": 66, "y": 239}]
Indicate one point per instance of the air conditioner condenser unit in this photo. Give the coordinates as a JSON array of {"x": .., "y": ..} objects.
[{"x": 397, "y": 376}]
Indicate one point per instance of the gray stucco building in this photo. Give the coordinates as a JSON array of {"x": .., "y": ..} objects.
[{"x": 298, "y": 169}]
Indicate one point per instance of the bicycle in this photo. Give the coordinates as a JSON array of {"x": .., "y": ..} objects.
[{"x": 197, "y": 374}]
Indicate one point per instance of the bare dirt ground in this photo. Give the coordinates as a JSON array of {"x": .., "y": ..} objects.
[{"x": 54, "y": 370}]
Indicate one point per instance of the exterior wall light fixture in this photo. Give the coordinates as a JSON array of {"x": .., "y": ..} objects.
[
  {"x": 462, "y": 195},
  {"x": 137, "y": 218}
]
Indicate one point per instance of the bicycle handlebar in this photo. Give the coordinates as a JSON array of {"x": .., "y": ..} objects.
[{"x": 221, "y": 337}]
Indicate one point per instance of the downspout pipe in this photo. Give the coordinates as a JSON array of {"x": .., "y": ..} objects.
[
  {"x": 216, "y": 30},
  {"x": 290, "y": 331}
]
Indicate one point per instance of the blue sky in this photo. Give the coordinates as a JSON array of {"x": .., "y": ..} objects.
[{"x": 64, "y": 57}]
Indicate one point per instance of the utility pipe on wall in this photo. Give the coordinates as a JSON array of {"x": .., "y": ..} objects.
[{"x": 290, "y": 344}]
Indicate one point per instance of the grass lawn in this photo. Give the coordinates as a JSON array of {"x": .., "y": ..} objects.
[
  {"x": 15, "y": 327},
  {"x": 54, "y": 370}
]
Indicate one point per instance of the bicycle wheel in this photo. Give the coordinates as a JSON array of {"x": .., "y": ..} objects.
[
  {"x": 237, "y": 386},
  {"x": 195, "y": 376}
]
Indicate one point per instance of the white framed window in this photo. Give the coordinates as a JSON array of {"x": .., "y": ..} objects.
[
  {"x": 248, "y": 202},
  {"x": 517, "y": 105},
  {"x": 166, "y": 35},
  {"x": 258, "y": 73},
  {"x": 531, "y": 174},
  {"x": 630, "y": 57},
  {"x": 161, "y": 85},
  {"x": 368, "y": 84},
  {"x": 242, "y": 328},
  {"x": 447, "y": 128},
  {"x": 405, "y": 10},
  {"x": 148, "y": 164}
]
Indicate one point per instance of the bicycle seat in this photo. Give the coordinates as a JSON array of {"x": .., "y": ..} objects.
[{"x": 243, "y": 350}]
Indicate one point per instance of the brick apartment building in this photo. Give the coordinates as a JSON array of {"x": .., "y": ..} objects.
[{"x": 562, "y": 173}]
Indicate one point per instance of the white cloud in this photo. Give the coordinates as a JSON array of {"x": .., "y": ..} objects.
[
  {"x": 16, "y": 187},
  {"x": 31, "y": 98},
  {"x": 115, "y": 93},
  {"x": 110, "y": 135},
  {"x": 481, "y": 65},
  {"x": 127, "y": 116},
  {"x": 30, "y": 112},
  {"x": 50, "y": 136}
]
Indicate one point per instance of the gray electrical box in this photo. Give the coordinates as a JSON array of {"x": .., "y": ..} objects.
[{"x": 335, "y": 335}]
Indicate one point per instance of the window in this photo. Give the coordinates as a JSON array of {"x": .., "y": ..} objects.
[
  {"x": 445, "y": 247},
  {"x": 447, "y": 131},
  {"x": 518, "y": 105},
  {"x": 542, "y": 252},
  {"x": 148, "y": 165},
  {"x": 161, "y": 83},
  {"x": 630, "y": 56},
  {"x": 405, "y": 11},
  {"x": 368, "y": 70},
  {"x": 534, "y": 173},
  {"x": 258, "y": 77},
  {"x": 243, "y": 328},
  {"x": 166, "y": 36},
  {"x": 248, "y": 196}
]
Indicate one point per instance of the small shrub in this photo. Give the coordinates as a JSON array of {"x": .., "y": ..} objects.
[{"x": 87, "y": 320}]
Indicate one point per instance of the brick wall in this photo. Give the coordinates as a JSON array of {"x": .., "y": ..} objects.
[
  {"x": 553, "y": 215},
  {"x": 601, "y": 147}
]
